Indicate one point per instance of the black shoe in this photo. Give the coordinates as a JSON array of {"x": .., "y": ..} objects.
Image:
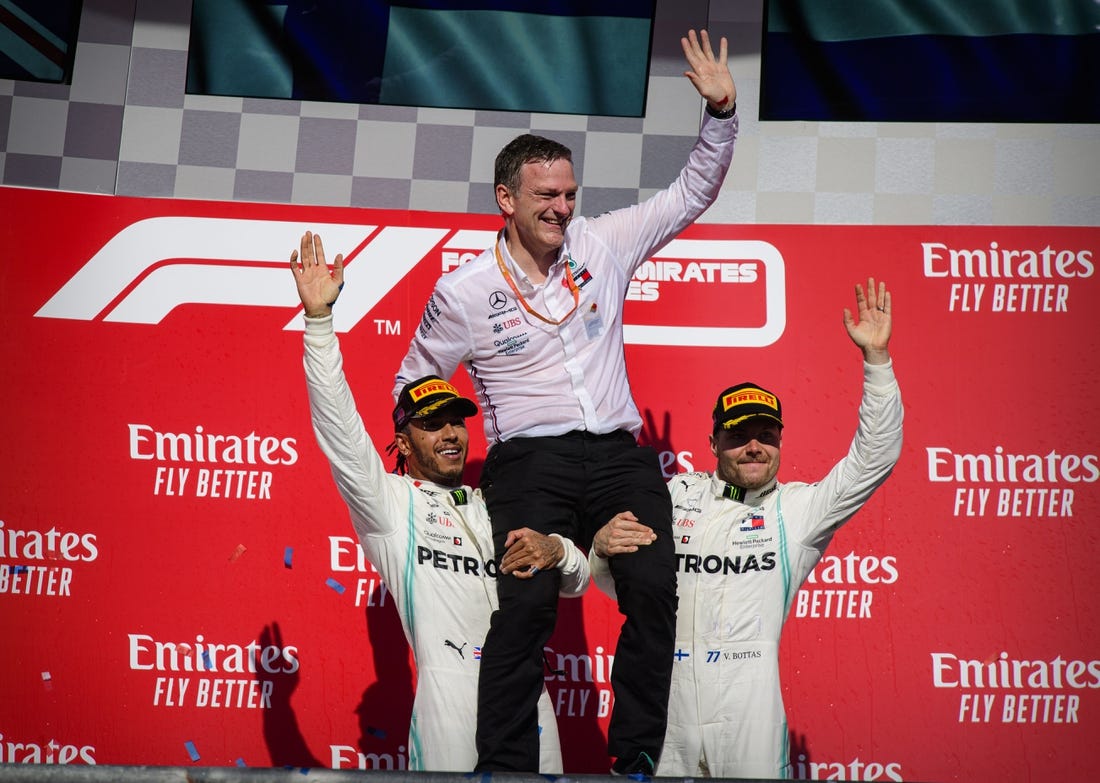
[{"x": 642, "y": 766}]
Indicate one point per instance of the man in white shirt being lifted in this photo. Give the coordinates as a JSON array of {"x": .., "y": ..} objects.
[{"x": 537, "y": 321}]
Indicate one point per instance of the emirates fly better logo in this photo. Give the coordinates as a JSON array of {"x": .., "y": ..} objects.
[{"x": 155, "y": 265}]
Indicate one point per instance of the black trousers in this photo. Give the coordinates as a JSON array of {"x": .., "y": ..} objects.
[{"x": 572, "y": 485}]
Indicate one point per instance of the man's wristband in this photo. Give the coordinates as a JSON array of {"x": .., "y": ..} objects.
[{"x": 725, "y": 114}]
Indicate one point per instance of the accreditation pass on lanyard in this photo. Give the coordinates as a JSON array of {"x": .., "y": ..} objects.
[
  {"x": 593, "y": 322},
  {"x": 569, "y": 281}
]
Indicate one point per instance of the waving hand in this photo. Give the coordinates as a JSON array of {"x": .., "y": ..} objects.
[
  {"x": 871, "y": 333},
  {"x": 710, "y": 75},
  {"x": 317, "y": 287}
]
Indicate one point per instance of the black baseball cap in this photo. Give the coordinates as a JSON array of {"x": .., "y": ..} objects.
[
  {"x": 426, "y": 396},
  {"x": 744, "y": 401}
]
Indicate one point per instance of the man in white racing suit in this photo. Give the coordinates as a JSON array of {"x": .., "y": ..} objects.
[
  {"x": 744, "y": 544},
  {"x": 427, "y": 534}
]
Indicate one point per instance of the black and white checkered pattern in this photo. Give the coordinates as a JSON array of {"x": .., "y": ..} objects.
[{"x": 125, "y": 126}]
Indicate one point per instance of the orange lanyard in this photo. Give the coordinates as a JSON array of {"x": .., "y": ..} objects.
[{"x": 519, "y": 297}]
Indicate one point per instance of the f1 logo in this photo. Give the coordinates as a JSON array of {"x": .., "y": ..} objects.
[{"x": 155, "y": 265}]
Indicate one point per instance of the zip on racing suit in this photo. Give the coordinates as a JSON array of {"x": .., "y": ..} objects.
[
  {"x": 433, "y": 547},
  {"x": 739, "y": 566}
]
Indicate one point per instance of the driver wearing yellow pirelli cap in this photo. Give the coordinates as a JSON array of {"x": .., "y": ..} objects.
[
  {"x": 744, "y": 544},
  {"x": 426, "y": 533}
]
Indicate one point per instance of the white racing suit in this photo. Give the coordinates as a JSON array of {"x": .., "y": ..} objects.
[
  {"x": 433, "y": 546},
  {"x": 739, "y": 567}
]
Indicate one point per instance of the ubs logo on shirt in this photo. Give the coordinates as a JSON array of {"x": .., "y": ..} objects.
[{"x": 439, "y": 519}]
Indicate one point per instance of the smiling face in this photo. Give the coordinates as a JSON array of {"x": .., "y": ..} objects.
[
  {"x": 539, "y": 208},
  {"x": 748, "y": 454},
  {"x": 435, "y": 448}
]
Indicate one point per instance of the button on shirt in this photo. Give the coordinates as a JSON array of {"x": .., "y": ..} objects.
[{"x": 533, "y": 378}]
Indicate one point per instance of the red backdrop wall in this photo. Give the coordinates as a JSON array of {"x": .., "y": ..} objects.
[{"x": 203, "y": 602}]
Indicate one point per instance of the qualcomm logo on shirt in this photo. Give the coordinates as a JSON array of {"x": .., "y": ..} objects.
[{"x": 154, "y": 265}]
